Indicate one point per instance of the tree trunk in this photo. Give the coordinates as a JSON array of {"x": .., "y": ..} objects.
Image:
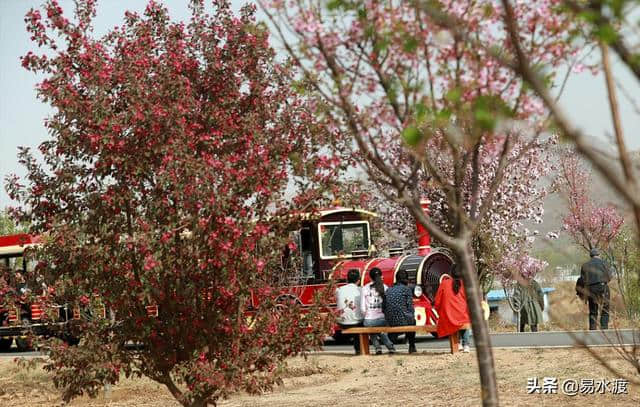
[{"x": 481, "y": 338}]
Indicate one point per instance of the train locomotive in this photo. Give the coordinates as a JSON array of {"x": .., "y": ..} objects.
[{"x": 332, "y": 241}]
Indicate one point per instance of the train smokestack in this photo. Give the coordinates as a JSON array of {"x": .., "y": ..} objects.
[{"x": 424, "y": 239}]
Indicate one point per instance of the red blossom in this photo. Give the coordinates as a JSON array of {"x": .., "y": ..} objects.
[{"x": 173, "y": 150}]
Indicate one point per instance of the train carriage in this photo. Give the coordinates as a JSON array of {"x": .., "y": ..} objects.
[
  {"x": 24, "y": 306},
  {"x": 324, "y": 247}
]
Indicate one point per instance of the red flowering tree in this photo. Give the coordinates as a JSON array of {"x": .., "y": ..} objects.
[{"x": 173, "y": 148}]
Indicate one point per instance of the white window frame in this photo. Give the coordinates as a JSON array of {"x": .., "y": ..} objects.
[{"x": 351, "y": 222}]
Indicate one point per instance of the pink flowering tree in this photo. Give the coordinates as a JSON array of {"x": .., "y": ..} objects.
[
  {"x": 517, "y": 269},
  {"x": 502, "y": 233},
  {"x": 431, "y": 111},
  {"x": 515, "y": 272},
  {"x": 174, "y": 147},
  {"x": 589, "y": 223}
]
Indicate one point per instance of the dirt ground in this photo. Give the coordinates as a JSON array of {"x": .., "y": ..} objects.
[{"x": 429, "y": 379}]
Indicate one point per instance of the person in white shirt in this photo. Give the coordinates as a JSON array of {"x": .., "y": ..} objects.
[
  {"x": 371, "y": 307},
  {"x": 348, "y": 304}
]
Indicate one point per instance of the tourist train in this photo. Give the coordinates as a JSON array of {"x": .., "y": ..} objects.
[{"x": 324, "y": 246}]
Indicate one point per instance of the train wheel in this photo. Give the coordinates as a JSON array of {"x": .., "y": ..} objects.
[
  {"x": 24, "y": 344},
  {"x": 5, "y": 344}
]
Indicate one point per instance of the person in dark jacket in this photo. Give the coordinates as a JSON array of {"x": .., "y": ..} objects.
[
  {"x": 398, "y": 307},
  {"x": 530, "y": 297},
  {"x": 595, "y": 277}
]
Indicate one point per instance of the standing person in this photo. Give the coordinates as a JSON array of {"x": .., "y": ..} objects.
[
  {"x": 348, "y": 303},
  {"x": 399, "y": 307},
  {"x": 373, "y": 295},
  {"x": 595, "y": 277},
  {"x": 531, "y": 299},
  {"x": 451, "y": 305}
]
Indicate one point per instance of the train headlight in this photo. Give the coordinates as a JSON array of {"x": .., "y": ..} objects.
[{"x": 417, "y": 291}]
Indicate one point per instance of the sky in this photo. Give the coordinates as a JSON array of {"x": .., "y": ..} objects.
[{"x": 22, "y": 115}]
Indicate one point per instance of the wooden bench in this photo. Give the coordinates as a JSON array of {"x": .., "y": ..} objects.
[{"x": 363, "y": 333}]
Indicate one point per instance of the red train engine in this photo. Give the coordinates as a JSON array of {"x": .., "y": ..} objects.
[{"x": 333, "y": 241}]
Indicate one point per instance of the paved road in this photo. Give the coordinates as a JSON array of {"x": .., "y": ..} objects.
[
  {"x": 524, "y": 340},
  {"x": 499, "y": 340}
]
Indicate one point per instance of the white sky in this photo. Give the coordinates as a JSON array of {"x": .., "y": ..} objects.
[{"x": 22, "y": 115}]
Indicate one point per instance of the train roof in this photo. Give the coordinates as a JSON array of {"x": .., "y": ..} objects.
[
  {"x": 321, "y": 213},
  {"x": 14, "y": 245}
]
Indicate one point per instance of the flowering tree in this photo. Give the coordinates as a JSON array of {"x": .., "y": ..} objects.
[
  {"x": 173, "y": 147},
  {"x": 428, "y": 109},
  {"x": 501, "y": 235},
  {"x": 608, "y": 25},
  {"x": 611, "y": 25},
  {"x": 526, "y": 265},
  {"x": 589, "y": 224}
]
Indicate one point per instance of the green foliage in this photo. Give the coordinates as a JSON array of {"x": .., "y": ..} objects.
[
  {"x": 8, "y": 226},
  {"x": 410, "y": 44},
  {"x": 453, "y": 95},
  {"x": 335, "y": 4},
  {"x": 412, "y": 136},
  {"x": 487, "y": 109},
  {"x": 442, "y": 117},
  {"x": 382, "y": 42},
  {"x": 421, "y": 111},
  {"x": 606, "y": 33}
]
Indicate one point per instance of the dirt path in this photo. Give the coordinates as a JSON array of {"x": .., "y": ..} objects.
[
  {"x": 425, "y": 379},
  {"x": 437, "y": 380}
]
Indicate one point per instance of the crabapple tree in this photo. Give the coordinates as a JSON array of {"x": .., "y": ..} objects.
[{"x": 173, "y": 147}]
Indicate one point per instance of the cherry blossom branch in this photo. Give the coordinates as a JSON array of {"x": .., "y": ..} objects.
[
  {"x": 522, "y": 66},
  {"x": 626, "y": 189}
]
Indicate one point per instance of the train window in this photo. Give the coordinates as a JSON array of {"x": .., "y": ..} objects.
[
  {"x": 306, "y": 251},
  {"x": 306, "y": 240},
  {"x": 341, "y": 239}
]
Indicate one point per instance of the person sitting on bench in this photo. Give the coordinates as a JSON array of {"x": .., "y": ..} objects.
[
  {"x": 398, "y": 309},
  {"x": 371, "y": 306},
  {"x": 451, "y": 304},
  {"x": 348, "y": 305}
]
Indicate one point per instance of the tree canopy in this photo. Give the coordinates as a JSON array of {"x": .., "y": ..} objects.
[{"x": 172, "y": 146}]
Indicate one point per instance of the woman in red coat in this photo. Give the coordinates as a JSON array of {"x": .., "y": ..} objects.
[{"x": 451, "y": 305}]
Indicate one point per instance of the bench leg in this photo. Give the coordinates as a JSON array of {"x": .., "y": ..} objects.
[
  {"x": 453, "y": 342},
  {"x": 364, "y": 344}
]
